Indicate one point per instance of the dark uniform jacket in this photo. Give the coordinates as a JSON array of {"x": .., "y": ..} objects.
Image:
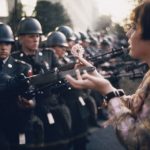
[
  {"x": 10, "y": 112},
  {"x": 42, "y": 61},
  {"x": 15, "y": 67},
  {"x": 12, "y": 67},
  {"x": 48, "y": 103},
  {"x": 76, "y": 103}
]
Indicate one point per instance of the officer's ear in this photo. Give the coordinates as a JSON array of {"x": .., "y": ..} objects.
[{"x": 20, "y": 38}]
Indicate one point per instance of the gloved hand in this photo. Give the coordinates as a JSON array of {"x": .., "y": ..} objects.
[
  {"x": 25, "y": 103},
  {"x": 18, "y": 84}
]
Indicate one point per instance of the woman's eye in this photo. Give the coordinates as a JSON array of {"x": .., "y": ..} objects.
[
  {"x": 134, "y": 28},
  {"x": 129, "y": 27}
]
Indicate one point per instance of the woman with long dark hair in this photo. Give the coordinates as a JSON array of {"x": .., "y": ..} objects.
[{"x": 130, "y": 115}]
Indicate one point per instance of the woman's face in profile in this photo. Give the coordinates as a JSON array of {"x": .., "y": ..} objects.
[{"x": 139, "y": 48}]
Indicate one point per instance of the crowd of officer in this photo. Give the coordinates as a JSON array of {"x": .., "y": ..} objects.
[{"x": 55, "y": 119}]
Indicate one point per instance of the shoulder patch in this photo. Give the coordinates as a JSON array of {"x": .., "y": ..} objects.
[
  {"x": 20, "y": 61},
  {"x": 48, "y": 50},
  {"x": 15, "y": 52}
]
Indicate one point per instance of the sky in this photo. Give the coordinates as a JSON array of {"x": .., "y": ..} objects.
[
  {"x": 118, "y": 9},
  {"x": 4, "y": 9}
]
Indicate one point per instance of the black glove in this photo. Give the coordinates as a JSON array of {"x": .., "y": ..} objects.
[
  {"x": 18, "y": 84},
  {"x": 4, "y": 79}
]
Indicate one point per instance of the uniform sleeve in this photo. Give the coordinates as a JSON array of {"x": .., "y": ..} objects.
[
  {"x": 4, "y": 78},
  {"x": 23, "y": 68},
  {"x": 132, "y": 121},
  {"x": 28, "y": 70},
  {"x": 133, "y": 131},
  {"x": 55, "y": 63}
]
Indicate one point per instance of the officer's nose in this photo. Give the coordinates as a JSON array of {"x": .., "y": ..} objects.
[{"x": 35, "y": 39}]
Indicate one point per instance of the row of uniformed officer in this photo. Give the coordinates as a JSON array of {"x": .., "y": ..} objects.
[{"x": 57, "y": 119}]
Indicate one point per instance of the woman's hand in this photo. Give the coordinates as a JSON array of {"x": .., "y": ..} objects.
[
  {"x": 93, "y": 81},
  {"x": 83, "y": 62}
]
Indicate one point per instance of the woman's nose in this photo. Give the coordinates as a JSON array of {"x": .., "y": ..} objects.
[{"x": 129, "y": 33}]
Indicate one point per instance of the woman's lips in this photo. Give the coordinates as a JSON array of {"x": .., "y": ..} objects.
[{"x": 129, "y": 47}]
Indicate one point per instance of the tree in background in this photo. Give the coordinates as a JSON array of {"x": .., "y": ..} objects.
[
  {"x": 15, "y": 16},
  {"x": 51, "y": 15},
  {"x": 103, "y": 23},
  {"x": 118, "y": 30}
]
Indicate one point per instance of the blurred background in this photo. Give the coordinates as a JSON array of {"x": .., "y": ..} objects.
[{"x": 80, "y": 14}]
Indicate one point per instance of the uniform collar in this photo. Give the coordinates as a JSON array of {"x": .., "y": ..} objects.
[
  {"x": 26, "y": 54},
  {"x": 5, "y": 60}
]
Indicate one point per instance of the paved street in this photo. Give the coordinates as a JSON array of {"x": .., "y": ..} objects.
[{"x": 103, "y": 139}]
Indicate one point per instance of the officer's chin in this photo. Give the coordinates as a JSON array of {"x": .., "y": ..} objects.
[
  {"x": 3, "y": 57},
  {"x": 34, "y": 48}
]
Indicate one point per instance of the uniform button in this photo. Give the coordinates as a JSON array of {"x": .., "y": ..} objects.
[
  {"x": 9, "y": 65},
  {"x": 60, "y": 82},
  {"x": 40, "y": 54},
  {"x": 21, "y": 55},
  {"x": 69, "y": 88}
]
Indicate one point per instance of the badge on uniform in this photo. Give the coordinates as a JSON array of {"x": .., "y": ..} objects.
[
  {"x": 22, "y": 138},
  {"x": 21, "y": 55},
  {"x": 9, "y": 65},
  {"x": 40, "y": 54},
  {"x": 50, "y": 118},
  {"x": 81, "y": 100}
]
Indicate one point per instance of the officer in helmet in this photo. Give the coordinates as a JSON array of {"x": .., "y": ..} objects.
[
  {"x": 78, "y": 38},
  {"x": 86, "y": 44},
  {"x": 105, "y": 46},
  {"x": 68, "y": 32},
  {"x": 10, "y": 87},
  {"x": 42, "y": 60},
  {"x": 71, "y": 40},
  {"x": 74, "y": 98},
  {"x": 6, "y": 61},
  {"x": 29, "y": 33},
  {"x": 15, "y": 110},
  {"x": 28, "y": 26},
  {"x": 58, "y": 42}
]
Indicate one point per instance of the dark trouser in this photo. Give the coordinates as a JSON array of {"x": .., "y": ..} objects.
[
  {"x": 80, "y": 144},
  {"x": 4, "y": 143},
  {"x": 58, "y": 132},
  {"x": 79, "y": 115}
]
